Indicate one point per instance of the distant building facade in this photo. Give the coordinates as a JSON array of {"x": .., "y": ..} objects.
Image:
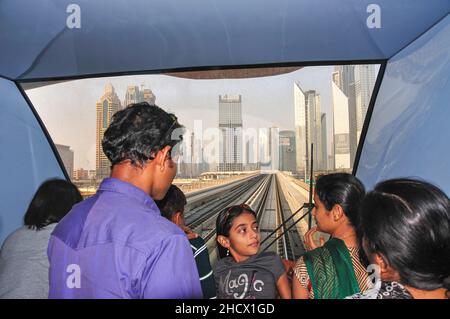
[
  {"x": 287, "y": 151},
  {"x": 134, "y": 94},
  {"x": 230, "y": 126},
  {"x": 107, "y": 105},
  {"x": 67, "y": 157}
]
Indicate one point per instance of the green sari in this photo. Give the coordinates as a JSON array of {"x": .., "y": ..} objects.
[{"x": 331, "y": 271}]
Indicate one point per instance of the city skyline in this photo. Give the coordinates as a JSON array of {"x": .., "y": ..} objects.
[{"x": 266, "y": 103}]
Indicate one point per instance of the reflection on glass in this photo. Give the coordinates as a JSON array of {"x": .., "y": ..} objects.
[{"x": 408, "y": 133}]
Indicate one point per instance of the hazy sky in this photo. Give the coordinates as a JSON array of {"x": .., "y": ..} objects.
[{"x": 68, "y": 109}]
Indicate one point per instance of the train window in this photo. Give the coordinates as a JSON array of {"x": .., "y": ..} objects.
[
  {"x": 240, "y": 120},
  {"x": 251, "y": 136}
]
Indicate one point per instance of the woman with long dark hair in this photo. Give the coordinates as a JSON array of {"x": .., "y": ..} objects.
[
  {"x": 23, "y": 257},
  {"x": 334, "y": 270},
  {"x": 405, "y": 226}
]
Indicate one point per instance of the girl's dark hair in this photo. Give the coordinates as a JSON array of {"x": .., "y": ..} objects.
[
  {"x": 52, "y": 201},
  {"x": 408, "y": 222},
  {"x": 225, "y": 220},
  {"x": 173, "y": 202},
  {"x": 344, "y": 190},
  {"x": 138, "y": 132}
]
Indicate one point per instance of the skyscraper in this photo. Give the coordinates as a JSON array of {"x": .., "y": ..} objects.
[
  {"x": 331, "y": 160},
  {"x": 192, "y": 157},
  {"x": 287, "y": 152},
  {"x": 337, "y": 76},
  {"x": 230, "y": 126},
  {"x": 324, "y": 151},
  {"x": 149, "y": 96},
  {"x": 340, "y": 128},
  {"x": 132, "y": 95},
  {"x": 364, "y": 84},
  {"x": 345, "y": 80},
  {"x": 251, "y": 151},
  {"x": 136, "y": 95},
  {"x": 343, "y": 77},
  {"x": 67, "y": 157},
  {"x": 108, "y": 104},
  {"x": 307, "y": 121},
  {"x": 313, "y": 128},
  {"x": 300, "y": 128},
  {"x": 273, "y": 148},
  {"x": 247, "y": 155}
]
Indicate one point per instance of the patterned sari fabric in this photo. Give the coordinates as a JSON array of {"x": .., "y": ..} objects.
[
  {"x": 331, "y": 271},
  {"x": 386, "y": 290}
]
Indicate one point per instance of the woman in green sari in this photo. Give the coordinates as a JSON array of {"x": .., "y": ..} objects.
[{"x": 334, "y": 270}]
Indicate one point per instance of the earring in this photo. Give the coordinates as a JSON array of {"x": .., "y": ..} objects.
[{"x": 228, "y": 252}]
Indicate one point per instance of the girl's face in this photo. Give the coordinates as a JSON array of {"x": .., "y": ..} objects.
[{"x": 244, "y": 237}]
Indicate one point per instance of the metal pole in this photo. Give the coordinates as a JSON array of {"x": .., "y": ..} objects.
[
  {"x": 311, "y": 186},
  {"x": 286, "y": 230}
]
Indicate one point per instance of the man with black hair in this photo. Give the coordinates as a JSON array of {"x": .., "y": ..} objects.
[
  {"x": 172, "y": 207},
  {"x": 116, "y": 244}
]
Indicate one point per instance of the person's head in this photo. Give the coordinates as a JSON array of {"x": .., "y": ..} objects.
[
  {"x": 405, "y": 225},
  {"x": 172, "y": 205},
  {"x": 141, "y": 141},
  {"x": 237, "y": 232},
  {"x": 337, "y": 198},
  {"x": 51, "y": 202}
]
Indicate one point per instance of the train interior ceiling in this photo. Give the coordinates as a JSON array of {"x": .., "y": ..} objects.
[{"x": 265, "y": 111}]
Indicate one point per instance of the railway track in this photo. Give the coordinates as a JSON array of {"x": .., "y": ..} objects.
[{"x": 261, "y": 192}]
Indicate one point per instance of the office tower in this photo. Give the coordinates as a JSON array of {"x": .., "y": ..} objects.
[
  {"x": 134, "y": 94},
  {"x": 251, "y": 150},
  {"x": 273, "y": 148},
  {"x": 313, "y": 129},
  {"x": 247, "y": 155},
  {"x": 364, "y": 84},
  {"x": 287, "y": 152},
  {"x": 149, "y": 96},
  {"x": 331, "y": 160},
  {"x": 301, "y": 150},
  {"x": 194, "y": 161},
  {"x": 192, "y": 157},
  {"x": 345, "y": 80},
  {"x": 67, "y": 157},
  {"x": 340, "y": 128},
  {"x": 107, "y": 105},
  {"x": 230, "y": 125},
  {"x": 324, "y": 151},
  {"x": 343, "y": 77},
  {"x": 307, "y": 121}
]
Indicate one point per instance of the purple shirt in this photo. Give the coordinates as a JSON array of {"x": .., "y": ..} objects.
[{"x": 116, "y": 244}]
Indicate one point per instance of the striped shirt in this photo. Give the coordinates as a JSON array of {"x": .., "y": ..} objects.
[{"x": 205, "y": 272}]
